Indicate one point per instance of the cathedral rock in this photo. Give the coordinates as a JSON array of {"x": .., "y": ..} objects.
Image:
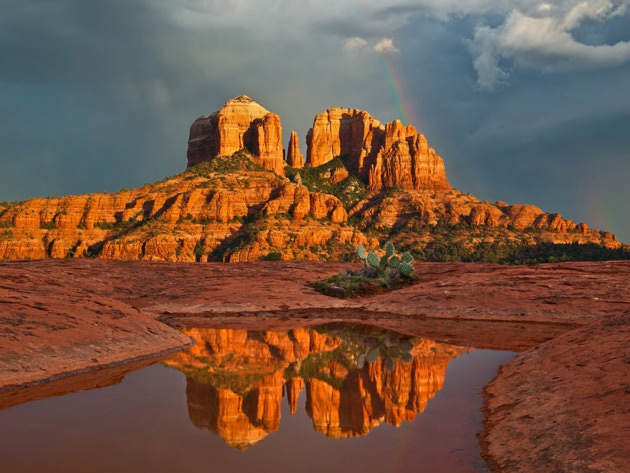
[
  {"x": 381, "y": 156},
  {"x": 241, "y": 123}
]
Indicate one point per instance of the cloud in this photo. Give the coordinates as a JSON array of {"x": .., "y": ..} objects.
[
  {"x": 386, "y": 46},
  {"x": 354, "y": 43},
  {"x": 543, "y": 40}
]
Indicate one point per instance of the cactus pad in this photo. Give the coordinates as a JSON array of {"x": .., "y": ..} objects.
[
  {"x": 393, "y": 262},
  {"x": 372, "y": 259},
  {"x": 361, "y": 252},
  {"x": 389, "y": 249},
  {"x": 405, "y": 269}
]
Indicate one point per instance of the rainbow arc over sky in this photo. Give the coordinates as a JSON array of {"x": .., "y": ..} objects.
[{"x": 396, "y": 85}]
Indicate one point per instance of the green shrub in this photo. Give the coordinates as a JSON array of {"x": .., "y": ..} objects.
[
  {"x": 48, "y": 225},
  {"x": 272, "y": 256}
]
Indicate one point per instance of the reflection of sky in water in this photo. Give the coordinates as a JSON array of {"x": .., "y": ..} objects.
[{"x": 159, "y": 419}]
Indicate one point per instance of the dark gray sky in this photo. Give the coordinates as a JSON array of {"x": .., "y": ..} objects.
[{"x": 526, "y": 101}]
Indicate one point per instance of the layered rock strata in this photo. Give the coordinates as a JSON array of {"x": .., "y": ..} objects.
[
  {"x": 190, "y": 217},
  {"x": 241, "y": 123},
  {"x": 382, "y": 156},
  {"x": 233, "y": 210}
]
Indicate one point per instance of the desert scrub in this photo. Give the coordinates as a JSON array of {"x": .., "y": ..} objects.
[
  {"x": 240, "y": 161},
  {"x": 272, "y": 256},
  {"x": 316, "y": 179},
  {"x": 380, "y": 273},
  {"x": 48, "y": 225}
]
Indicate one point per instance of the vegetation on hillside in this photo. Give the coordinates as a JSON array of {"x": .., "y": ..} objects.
[
  {"x": 405, "y": 218},
  {"x": 239, "y": 161},
  {"x": 317, "y": 179}
]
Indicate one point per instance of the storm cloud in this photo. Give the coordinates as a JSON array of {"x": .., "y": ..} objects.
[{"x": 527, "y": 101}]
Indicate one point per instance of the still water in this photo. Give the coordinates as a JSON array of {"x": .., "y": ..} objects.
[{"x": 333, "y": 398}]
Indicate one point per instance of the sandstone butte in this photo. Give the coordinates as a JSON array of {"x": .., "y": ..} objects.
[
  {"x": 239, "y": 200},
  {"x": 341, "y": 401}
]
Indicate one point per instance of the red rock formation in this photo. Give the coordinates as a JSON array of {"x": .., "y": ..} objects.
[
  {"x": 184, "y": 218},
  {"x": 299, "y": 202},
  {"x": 242, "y": 403},
  {"x": 394, "y": 155},
  {"x": 295, "y": 158},
  {"x": 344, "y": 132},
  {"x": 373, "y": 395},
  {"x": 237, "y": 212},
  {"x": 241, "y": 123},
  {"x": 249, "y": 407},
  {"x": 294, "y": 387}
]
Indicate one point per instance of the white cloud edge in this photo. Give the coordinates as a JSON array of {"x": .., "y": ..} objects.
[
  {"x": 386, "y": 45},
  {"x": 532, "y": 34}
]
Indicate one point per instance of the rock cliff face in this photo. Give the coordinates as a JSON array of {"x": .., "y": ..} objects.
[
  {"x": 236, "y": 378},
  {"x": 241, "y": 123},
  {"x": 236, "y": 205},
  {"x": 197, "y": 216},
  {"x": 383, "y": 157}
]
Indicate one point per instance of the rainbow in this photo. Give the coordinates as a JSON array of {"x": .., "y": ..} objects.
[{"x": 404, "y": 106}]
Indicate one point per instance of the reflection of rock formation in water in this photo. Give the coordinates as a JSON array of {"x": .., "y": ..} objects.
[
  {"x": 372, "y": 394},
  {"x": 237, "y": 378},
  {"x": 240, "y": 420},
  {"x": 294, "y": 387}
]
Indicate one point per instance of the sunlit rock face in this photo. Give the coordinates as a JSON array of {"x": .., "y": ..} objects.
[
  {"x": 173, "y": 219},
  {"x": 239, "y": 206},
  {"x": 372, "y": 395},
  {"x": 240, "y": 420},
  {"x": 382, "y": 156},
  {"x": 295, "y": 158},
  {"x": 241, "y": 123},
  {"x": 236, "y": 380}
]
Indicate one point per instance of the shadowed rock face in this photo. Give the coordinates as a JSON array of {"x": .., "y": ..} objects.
[
  {"x": 241, "y": 123},
  {"x": 236, "y": 380}
]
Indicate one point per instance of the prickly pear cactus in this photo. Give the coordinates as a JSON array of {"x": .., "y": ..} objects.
[
  {"x": 361, "y": 252},
  {"x": 405, "y": 269},
  {"x": 394, "y": 262},
  {"x": 389, "y": 249},
  {"x": 406, "y": 257},
  {"x": 372, "y": 259}
]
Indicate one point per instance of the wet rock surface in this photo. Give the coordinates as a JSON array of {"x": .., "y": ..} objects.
[
  {"x": 560, "y": 406},
  {"x": 563, "y": 405}
]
